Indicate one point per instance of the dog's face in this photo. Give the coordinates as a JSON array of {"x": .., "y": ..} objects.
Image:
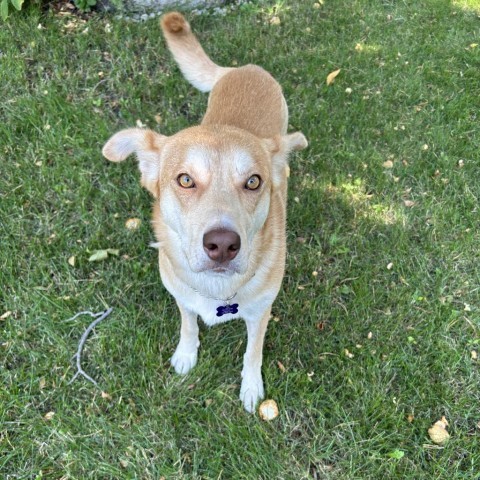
[{"x": 213, "y": 186}]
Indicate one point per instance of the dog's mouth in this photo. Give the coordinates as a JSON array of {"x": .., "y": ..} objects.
[
  {"x": 222, "y": 270},
  {"x": 215, "y": 268},
  {"x": 225, "y": 269},
  {"x": 219, "y": 270}
]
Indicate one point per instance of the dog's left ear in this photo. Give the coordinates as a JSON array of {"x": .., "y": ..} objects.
[
  {"x": 147, "y": 146},
  {"x": 280, "y": 147}
]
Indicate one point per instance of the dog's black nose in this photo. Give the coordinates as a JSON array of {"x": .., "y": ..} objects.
[{"x": 221, "y": 245}]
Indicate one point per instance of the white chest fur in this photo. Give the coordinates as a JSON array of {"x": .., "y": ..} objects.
[{"x": 218, "y": 300}]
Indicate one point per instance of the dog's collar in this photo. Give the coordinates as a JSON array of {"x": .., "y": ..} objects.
[{"x": 224, "y": 300}]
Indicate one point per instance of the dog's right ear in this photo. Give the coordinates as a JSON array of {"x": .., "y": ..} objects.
[
  {"x": 147, "y": 146},
  {"x": 279, "y": 148}
]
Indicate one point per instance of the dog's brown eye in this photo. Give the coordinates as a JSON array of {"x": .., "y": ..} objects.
[
  {"x": 253, "y": 182},
  {"x": 185, "y": 181}
]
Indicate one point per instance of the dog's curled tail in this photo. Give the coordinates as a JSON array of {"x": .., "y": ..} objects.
[{"x": 194, "y": 63}]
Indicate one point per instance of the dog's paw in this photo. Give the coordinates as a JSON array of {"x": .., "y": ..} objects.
[
  {"x": 183, "y": 361},
  {"x": 251, "y": 392}
]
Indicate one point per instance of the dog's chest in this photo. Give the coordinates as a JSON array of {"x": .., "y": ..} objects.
[
  {"x": 247, "y": 302},
  {"x": 214, "y": 311}
]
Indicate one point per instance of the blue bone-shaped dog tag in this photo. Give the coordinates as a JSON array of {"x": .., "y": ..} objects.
[{"x": 223, "y": 310}]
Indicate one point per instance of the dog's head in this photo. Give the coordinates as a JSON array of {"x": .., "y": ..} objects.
[{"x": 213, "y": 185}]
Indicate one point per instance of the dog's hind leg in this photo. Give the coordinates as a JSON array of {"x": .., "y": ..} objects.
[{"x": 185, "y": 356}]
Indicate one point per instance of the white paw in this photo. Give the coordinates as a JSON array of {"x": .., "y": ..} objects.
[
  {"x": 184, "y": 360},
  {"x": 251, "y": 392}
]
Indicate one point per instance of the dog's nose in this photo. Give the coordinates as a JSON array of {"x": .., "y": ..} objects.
[{"x": 221, "y": 245}]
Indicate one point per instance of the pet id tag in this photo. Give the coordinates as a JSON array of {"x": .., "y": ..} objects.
[{"x": 225, "y": 309}]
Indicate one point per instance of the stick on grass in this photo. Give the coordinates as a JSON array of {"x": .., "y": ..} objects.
[{"x": 78, "y": 355}]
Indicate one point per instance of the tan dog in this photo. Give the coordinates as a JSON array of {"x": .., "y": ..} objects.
[{"x": 220, "y": 194}]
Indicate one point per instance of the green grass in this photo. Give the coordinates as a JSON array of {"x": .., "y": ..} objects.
[{"x": 408, "y": 275}]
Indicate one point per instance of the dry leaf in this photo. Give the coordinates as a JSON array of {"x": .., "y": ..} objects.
[
  {"x": 281, "y": 366},
  {"x": 331, "y": 76},
  {"x": 49, "y": 415},
  {"x": 71, "y": 261},
  {"x": 408, "y": 203},
  {"x": 473, "y": 355},
  {"x": 106, "y": 396},
  {"x": 438, "y": 431},
  {"x": 390, "y": 266},
  {"x": 158, "y": 119},
  {"x": 275, "y": 21},
  {"x": 99, "y": 255},
  {"x": 370, "y": 335},
  {"x": 42, "y": 383},
  {"x": 133, "y": 223},
  {"x": 410, "y": 418},
  {"x": 268, "y": 410},
  {"x": 6, "y": 315},
  {"x": 388, "y": 164},
  {"x": 348, "y": 354},
  {"x": 438, "y": 434}
]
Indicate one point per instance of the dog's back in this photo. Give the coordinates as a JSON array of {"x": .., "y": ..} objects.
[{"x": 247, "y": 97}]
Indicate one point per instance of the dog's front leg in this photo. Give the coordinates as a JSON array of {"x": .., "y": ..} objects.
[
  {"x": 185, "y": 356},
  {"x": 251, "y": 390}
]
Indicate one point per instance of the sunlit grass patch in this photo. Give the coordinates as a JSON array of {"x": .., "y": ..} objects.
[{"x": 468, "y": 4}]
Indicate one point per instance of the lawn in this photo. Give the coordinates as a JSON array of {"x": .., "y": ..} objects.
[{"x": 376, "y": 331}]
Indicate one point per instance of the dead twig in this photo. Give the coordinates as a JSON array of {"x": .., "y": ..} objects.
[{"x": 81, "y": 344}]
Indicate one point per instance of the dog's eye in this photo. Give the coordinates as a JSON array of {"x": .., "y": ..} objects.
[
  {"x": 253, "y": 182},
  {"x": 185, "y": 181}
]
